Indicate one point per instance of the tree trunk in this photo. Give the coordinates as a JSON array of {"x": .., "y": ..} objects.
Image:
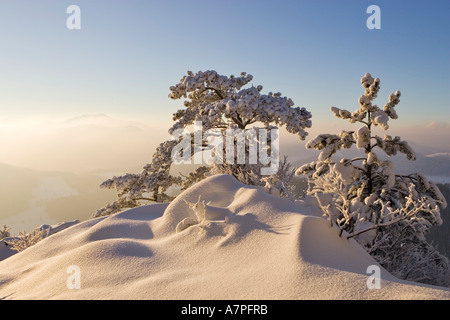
[{"x": 369, "y": 166}]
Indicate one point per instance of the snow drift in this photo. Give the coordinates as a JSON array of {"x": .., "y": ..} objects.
[{"x": 256, "y": 247}]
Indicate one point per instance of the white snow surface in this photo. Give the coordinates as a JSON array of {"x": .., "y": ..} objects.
[{"x": 265, "y": 248}]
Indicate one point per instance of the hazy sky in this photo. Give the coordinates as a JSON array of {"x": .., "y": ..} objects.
[{"x": 127, "y": 54}]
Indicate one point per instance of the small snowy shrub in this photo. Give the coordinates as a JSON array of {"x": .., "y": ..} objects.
[
  {"x": 387, "y": 213},
  {"x": 219, "y": 103},
  {"x": 25, "y": 240}
]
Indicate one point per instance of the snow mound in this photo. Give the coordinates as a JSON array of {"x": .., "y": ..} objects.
[{"x": 241, "y": 244}]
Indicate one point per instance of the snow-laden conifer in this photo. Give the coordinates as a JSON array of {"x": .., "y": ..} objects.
[
  {"x": 221, "y": 103},
  {"x": 388, "y": 213}
]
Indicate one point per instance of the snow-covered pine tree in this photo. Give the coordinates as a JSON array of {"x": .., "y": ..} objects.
[
  {"x": 220, "y": 103},
  {"x": 387, "y": 213}
]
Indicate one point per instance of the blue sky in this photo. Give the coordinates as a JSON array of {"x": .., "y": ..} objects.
[{"x": 128, "y": 53}]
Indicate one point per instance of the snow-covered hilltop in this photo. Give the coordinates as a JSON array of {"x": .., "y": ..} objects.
[{"x": 260, "y": 247}]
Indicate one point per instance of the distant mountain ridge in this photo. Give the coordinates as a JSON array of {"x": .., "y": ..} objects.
[{"x": 103, "y": 120}]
